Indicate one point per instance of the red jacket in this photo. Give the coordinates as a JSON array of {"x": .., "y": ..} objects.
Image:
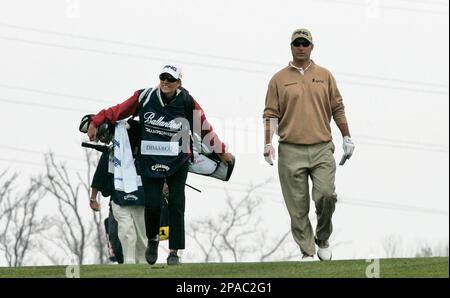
[{"x": 129, "y": 107}]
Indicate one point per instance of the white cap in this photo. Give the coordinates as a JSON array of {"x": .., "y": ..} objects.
[{"x": 173, "y": 70}]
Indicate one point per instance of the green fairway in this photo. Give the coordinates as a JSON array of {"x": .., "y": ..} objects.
[{"x": 419, "y": 267}]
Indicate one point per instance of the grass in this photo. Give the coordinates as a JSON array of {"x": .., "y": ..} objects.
[{"x": 392, "y": 268}]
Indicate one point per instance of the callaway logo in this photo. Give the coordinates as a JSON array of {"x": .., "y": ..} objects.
[
  {"x": 318, "y": 81},
  {"x": 130, "y": 198},
  {"x": 160, "y": 168},
  {"x": 149, "y": 119}
]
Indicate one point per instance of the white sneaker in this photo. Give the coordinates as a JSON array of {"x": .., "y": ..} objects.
[
  {"x": 324, "y": 252},
  {"x": 307, "y": 258}
]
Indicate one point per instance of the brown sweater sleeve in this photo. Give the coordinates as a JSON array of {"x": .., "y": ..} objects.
[
  {"x": 337, "y": 104},
  {"x": 272, "y": 108}
]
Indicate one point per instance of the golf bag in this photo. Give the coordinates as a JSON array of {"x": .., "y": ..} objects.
[
  {"x": 112, "y": 239},
  {"x": 203, "y": 161},
  {"x": 209, "y": 164}
]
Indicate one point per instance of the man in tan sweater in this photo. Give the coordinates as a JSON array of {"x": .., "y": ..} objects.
[{"x": 300, "y": 102}]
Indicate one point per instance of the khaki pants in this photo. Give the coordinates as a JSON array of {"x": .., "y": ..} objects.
[
  {"x": 297, "y": 163},
  {"x": 131, "y": 230}
]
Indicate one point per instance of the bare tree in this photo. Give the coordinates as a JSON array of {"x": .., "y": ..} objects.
[
  {"x": 19, "y": 223},
  {"x": 235, "y": 232},
  {"x": 99, "y": 240},
  {"x": 74, "y": 235},
  {"x": 424, "y": 252},
  {"x": 444, "y": 250},
  {"x": 392, "y": 246},
  {"x": 275, "y": 246},
  {"x": 206, "y": 228},
  {"x": 438, "y": 250},
  {"x": 5, "y": 190},
  {"x": 216, "y": 237}
]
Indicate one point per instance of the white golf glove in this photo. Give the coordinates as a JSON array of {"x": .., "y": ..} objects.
[
  {"x": 269, "y": 154},
  {"x": 348, "y": 146}
]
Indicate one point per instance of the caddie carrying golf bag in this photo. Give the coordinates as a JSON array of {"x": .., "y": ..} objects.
[
  {"x": 105, "y": 135},
  {"x": 203, "y": 160}
]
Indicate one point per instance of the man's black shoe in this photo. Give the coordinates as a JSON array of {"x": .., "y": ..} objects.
[
  {"x": 173, "y": 259},
  {"x": 151, "y": 253}
]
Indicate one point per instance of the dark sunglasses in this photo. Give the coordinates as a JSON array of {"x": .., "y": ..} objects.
[
  {"x": 303, "y": 43},
  {"x": 167, "y": 77}
]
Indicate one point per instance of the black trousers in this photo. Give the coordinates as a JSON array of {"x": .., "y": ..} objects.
[
  {"x": 113, "y": 234},
  {"x": 153, "y": 195}
]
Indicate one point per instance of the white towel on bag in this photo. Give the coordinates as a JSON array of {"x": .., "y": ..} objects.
[{"x": 125, "y": 175}]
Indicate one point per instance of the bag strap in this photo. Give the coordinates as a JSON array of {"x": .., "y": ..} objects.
[
  {"x": 144, "y": 97},
  {"x": 189, "y": 107}
]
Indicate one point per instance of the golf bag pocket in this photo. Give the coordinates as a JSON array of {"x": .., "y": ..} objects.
[
  {"x": 209, "y": 164},
  {"x": 202, "y": 165},
  {"x": 135, "y": 198}
]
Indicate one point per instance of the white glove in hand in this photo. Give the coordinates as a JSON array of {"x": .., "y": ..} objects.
[
  {"x": 269, "y": 154},
  {"x": 348, "y": 146}
]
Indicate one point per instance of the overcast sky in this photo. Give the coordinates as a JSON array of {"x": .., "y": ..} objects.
[{"x": 63, "y": 59}]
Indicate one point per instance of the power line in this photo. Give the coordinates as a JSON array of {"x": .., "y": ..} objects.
[
  {"x": 400, "y": 146},
  {"x": 416, "y": 10},
  {"x": 136, "y": 45},
  {"x": 407, "y": 144},
  {"x": 39, "y": 152},
  {"x": 35, "y": 164},
  {"x": 128, "y": 55},
  {"x": 369, "y": 203},
  {"x": 30, "y": 163},
  {"x": 394, "y": 87},
  {"x": 404, "y": 146},
  {"x": 42, "y": 105},
  {"x": 396, "y": 145},
  {"x": 391, "y": 206},
  {"x": 404, "y": 141},
  {"x": 393, "y": 79},
  {"x": 405, "y": 9},
  {"x": 355, "y": 202},
  {"x": 432, "y": 2},
  {"x": 91, "y": 99},
  {"x": 401, "y": 143},
  {"x": 7, "y": 86},
  {"x": 270, "y": 64},
  {"x": 199, "y": 64}
]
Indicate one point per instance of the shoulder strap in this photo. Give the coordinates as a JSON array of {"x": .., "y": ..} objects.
[
  {"x": 144, "y": 97},
  {"x": 189, "y": 107}
]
